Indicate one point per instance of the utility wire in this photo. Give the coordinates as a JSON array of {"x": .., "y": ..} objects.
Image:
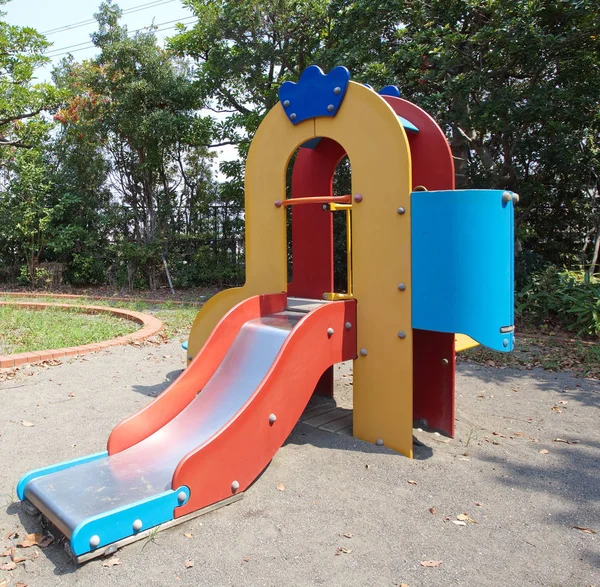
[
  {"x": 91, "y": 45},
  {"x": 81, "y": 23},
  {"x": 56, "y": 52}
]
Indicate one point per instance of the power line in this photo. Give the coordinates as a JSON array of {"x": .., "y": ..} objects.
[
  {"x": 81, "y": 23},
  {"x": 90, "y": 44}
]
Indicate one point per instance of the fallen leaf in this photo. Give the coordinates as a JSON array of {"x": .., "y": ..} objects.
[
  {"x": 245, "y": 560},
  {"x": 490, "y": 363},
  {"x": 343, "y": 550},
  {"x": 465, "y": 518},
  {"x": 4, "y": 583},
  {"x": 433, "y": 510},
  {"x": 9, "y": 566},
  {"x": 70, "y": 395},
  {"x": 412, "y": 482},
  {"x": 5, "y": 553},
  {"x": 31, "y": 540},
  {"x": 280, "y": 487},
  {"x": 111, "y": 562},
  {"x": 21, "y": 585},
  {"x": 586, "y": 530},
  {"x": 188, "y": 564},
  {"x": 478, "y": 503},
  {"x": 347, "y": 535},
  {"x": 544, "y": 452},
  {"x": 556, "y": 409},
  {"x": 188, "y": 535},
  {"x": 563, "y": 401},
  {"x": 566, "y": 441},
  {"x": 10, "y": 535},
  {"x": 459, "y": 522},
  {"x": 431, "y": 563},
  {"x": 27, "y": 423}
]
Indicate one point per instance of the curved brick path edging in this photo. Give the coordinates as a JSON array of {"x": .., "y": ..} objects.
[{"x": 150, "y": 327}]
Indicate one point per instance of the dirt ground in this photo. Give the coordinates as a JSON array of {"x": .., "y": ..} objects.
[{"x": 521, "y": 476}]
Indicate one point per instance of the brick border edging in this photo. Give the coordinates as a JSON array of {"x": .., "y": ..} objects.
[
  {"x": 23, "y": 294},
  {"x": 150, "y": 326}
]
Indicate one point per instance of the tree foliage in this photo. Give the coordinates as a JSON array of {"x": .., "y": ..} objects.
[{"x": 127, "y": 180}]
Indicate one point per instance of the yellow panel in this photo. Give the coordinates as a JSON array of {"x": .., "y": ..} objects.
[
  {"x": 462, "y": 342},
  {"x": 274, "y": 143},
  {"x": 376, "y": 144}
]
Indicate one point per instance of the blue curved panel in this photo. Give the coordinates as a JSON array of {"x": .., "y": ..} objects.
[
  {"x": 390, "y": 91},
  {"x": 463, "y": 265},
  {"x": 315, "y": 94}
]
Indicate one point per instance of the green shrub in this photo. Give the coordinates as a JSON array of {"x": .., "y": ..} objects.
[{"x": 563, "y": 298}]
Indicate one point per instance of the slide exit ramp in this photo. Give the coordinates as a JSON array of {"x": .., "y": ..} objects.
[{"x": 208, "y": 436}]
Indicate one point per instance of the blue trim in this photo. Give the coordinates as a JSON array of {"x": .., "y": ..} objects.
[
  {"x": 408, "y": 125},
  {"x": 390, "y": 91},
  {"x": 118, "y": 523},
  {"x": 311, "y": 144},
  {"x": 314, "y": 94},
  {"x": 184, "y": 345},
  {"x": 43, "y": 471},
  {"x": 463, "y": 264}
]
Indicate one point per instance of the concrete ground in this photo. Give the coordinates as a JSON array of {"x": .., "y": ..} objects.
[{"x": 351, "y": 513}]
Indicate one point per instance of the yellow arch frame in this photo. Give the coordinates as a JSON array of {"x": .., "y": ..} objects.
[{"x": 376, "y": 143}]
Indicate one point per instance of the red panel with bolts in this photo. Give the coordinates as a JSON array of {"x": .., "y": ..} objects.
[
  {"x": 312, "y": 231},
  {"x": 433, "y": 378},
  {"x": 183, "y": 390},
  {"x": 232, "y": 459}
]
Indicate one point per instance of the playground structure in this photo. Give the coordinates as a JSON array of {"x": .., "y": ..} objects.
[{"x": 424, "y": 262}]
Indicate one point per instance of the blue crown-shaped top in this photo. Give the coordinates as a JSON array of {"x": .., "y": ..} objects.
[{"x": 315, "y": 94}]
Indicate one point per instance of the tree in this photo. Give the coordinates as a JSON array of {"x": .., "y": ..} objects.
[
  {"x": 21, "y": 51},
  {"x": 140, "y": 104}
]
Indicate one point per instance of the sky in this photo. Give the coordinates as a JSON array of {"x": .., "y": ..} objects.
[{"x": 61, "y": 22}]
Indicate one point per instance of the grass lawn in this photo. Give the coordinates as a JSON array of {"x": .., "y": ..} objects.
[
  {"x": 177, "y": 318},
  {"x": 23, "y": 330}
]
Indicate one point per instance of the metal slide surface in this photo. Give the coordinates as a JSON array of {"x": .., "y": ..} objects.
[{"x": 71, "y": 496}]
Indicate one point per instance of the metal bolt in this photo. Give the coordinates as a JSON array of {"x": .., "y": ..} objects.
[
  {"x": 94, "y": 540},
  {"x": 363, "y": 352},
  {"x": 181, "y": 496},
  {"x": 507, "y": 197},
  {"x": 505, "y": 342},
  {"x": 292, "y": 116},
  {"x": 330, "y": 332},
  {"x": 402, "y": 334},
  {"x": 190, "y": 357},
  {"x": 358, "y": 198},
  {"x": 272, "y": 419},
  {"x": 235, "y": 486},
  {"x": 137, "y": 525},
  {"x": 348, "y": 325},
  {"x": 401, "y": 210},
  {"x": 444, "y": 361},
  {"x": 286, "y": 103},
  {"x": 337, "y": 90},
  {"x": 379, "y": 442},
  {"x": 402, "y": 286},
  {"x": 330, "y": 107},
  {"x": 277, "y": 203}
]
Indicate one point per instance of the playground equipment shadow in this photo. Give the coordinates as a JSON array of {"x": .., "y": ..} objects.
[{"x": 350, "y": 513}]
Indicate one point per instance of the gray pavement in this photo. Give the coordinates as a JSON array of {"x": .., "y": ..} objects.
[{"x": 348, "y": 515}]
